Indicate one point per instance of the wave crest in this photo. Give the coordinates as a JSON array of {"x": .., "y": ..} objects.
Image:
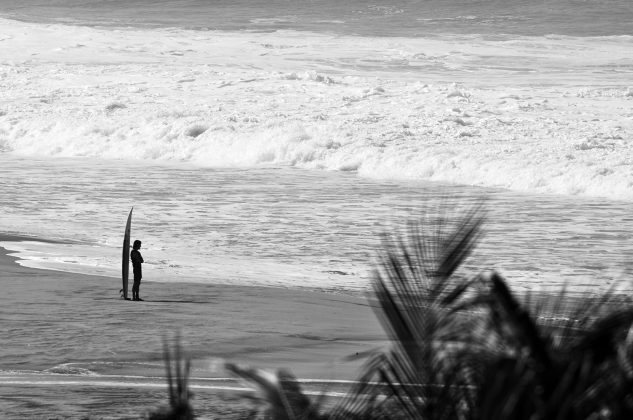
[{"x": 380, "y": 107}]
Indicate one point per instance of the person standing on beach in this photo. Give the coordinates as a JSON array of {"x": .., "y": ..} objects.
[{"x": 137, "y": 260}]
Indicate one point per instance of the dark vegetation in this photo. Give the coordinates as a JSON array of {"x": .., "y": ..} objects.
[
  {"x": 463, "y": 347},
  {"x": 177, "y": 385}
]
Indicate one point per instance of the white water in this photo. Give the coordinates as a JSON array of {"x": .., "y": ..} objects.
[
  {"x": 546, "y": 114},
  {"x": 200, "y": 132}
]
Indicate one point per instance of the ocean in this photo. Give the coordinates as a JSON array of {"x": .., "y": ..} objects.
[
  {"x": 235, "y": 125},
  {"x": 272, "y": 143},
  {"x": 354, "y": 17}
]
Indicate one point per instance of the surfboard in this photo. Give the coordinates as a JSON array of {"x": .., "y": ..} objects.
[{"x": 125, "y": 267}]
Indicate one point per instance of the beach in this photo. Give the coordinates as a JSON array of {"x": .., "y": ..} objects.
[
  {"x": 73, "y": 348},
  {"x": 269, "y": 151}
]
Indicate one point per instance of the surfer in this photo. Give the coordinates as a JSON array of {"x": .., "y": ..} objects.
[{"x": 137, "y": 260}]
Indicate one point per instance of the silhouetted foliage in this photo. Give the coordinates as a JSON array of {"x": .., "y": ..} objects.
[{"x": 178, "y": 386}]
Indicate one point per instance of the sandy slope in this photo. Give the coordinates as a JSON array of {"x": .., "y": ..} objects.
[{"x": 71, "y": 347}]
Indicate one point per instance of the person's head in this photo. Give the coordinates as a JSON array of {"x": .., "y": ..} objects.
[{"x": 137, "y": 244}]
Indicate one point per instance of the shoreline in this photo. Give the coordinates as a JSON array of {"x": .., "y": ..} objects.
[
  {"x": 76, "y": 328},
  {"x": 75, "y": 349},
  {"x": 168, "y": 293}
]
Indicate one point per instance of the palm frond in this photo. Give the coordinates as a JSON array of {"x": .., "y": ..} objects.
[
  {"x": 521, "y": 324},
  {"x": 282, "y": 392},
  {"x": 177, "y": 385},
  {"x": 416, "y": 293}
]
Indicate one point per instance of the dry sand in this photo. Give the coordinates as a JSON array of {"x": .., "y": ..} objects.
[{"x": 54, "y": 324}]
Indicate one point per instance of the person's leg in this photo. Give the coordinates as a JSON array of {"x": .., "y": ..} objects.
[
  {"x": 135, "y": 289},
  {"x": 138, "y": 290}
]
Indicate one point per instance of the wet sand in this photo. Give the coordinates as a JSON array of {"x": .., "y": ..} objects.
[{"x": 72, "y": 348}]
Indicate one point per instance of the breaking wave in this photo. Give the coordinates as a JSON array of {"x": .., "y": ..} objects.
[{"x": 545, "y": 115}]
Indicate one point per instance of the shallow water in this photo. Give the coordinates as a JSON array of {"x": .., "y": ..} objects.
[{"x": 290, "y": 227}]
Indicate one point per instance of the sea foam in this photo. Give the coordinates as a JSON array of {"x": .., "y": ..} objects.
[{"x": 536, "y": 114}]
